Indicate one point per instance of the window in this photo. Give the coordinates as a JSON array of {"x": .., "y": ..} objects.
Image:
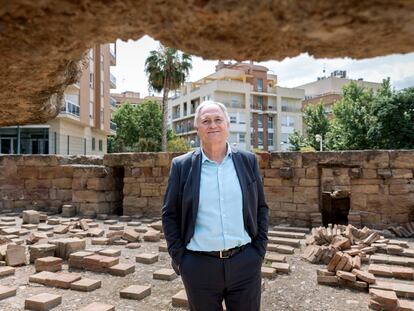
[
  {"x": 234, "y": 102},
  {"x": 102, "y": 62},
  {"x": 259, "y": 85},
  {"x": 91, "y": 54},
  {"x": 260, "y": 102},
  {"x": 270, "y": 139},
  {"x": 269, "y": 122},
  {"x": 288, "y": 121},
  {"x": 242, "y": 137},
  {"x": 260, "y": 138},
  {"x": 242, "y": 118},
  {"x": 93, "y": 143},
  {"x": 91, "y": 114},
  {"x": 100, "y": 145},
  {"x": 260, "y": 120},
  {"x": 233, "y": 119},
  {"x": 102, "y": 115},
  {"x": 91, "y": 79},
  {"x": 102, "y": 88},
  {"x": 284, "y": 138}
]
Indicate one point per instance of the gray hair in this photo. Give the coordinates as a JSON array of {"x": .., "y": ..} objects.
[{"x": 210, "y": 102}]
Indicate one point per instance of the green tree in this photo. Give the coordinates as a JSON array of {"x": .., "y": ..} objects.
[
  {"x": 317, "y": 123},
  {"x": 297, "y": 141},
  {"x": 394, "y": 118},
  {"x": 138, "y": 127},
  {"x": 167, "y": 70},
  {"x": 352, "y": 120},
  {"x": 178, "y": 144}
]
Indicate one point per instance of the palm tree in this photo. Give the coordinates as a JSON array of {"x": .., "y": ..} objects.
[{"x": 167, "y": 70}]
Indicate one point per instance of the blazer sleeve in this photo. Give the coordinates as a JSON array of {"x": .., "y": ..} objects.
[
  {"x": 262, "y": 213},
  {"x": 171, "y": 215}
]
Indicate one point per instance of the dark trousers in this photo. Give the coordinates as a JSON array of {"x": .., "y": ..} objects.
[{"x": 210, "y": 280}]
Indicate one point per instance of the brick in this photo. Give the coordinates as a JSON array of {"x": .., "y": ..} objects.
[
  {"x": 281, "y": 267},
  {"x": 405, "y": 305},
  {"x": 99, "y": 241},
  {"x": 359, "y": 285},
  {"x": 110, "y": 222},
  {"x": 136, "y": 292},
  {"x": 275, "y": 258},
  {"x": 346, "y": 275},
  {"x": 325, "y": 272},
  {"x": 327, "y": 280},
  {"x": 380, "y": 270},
  {"x": 130, "y": 235},
  {"x": 95, "y": 232},
  {"x": 76, "y": 259},
  {"x": 402, "y": 273},
  {"x": 133, "y": 245},
  {"x": 6, "y": 271},
  {"x": 116, "y": 227},
  {"x": 268, "y": 272},
  {"x": 63, "y": 280},
  {"x": 15, "y": 255},
  {"x": 285, "y": 241},
  {"x": 93, "y": 263},
  {"x": 383, "y": 297},
  {"x": 283, "y": 249},
  {"x": 146, "y": 258},
  {"x": 404, "y": 290},
  {"x": 364, "y": 276},
  {"x": 86, "y": 285},
  {"x": 334, "y": 261},
  {"x": 152, "y": 236},
  {"x": 97, "y": 306},
  {"x": 165, "y": 275},
  {"x": 31, "y": 217},
  {"x": 65, "y": 247},
  {"x": 180, "y": 300},
  {"x": 42, "y": 277},
  {"x": 52, "y": 264},
  {"x": 122, "y": 269},
  {"x": 111, "y": 252},
  {"x": 6, "y": 292},
  {"x": 42, "y": 302}
]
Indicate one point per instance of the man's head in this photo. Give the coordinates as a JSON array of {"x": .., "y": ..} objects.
[{"x": 212, "y": 122}]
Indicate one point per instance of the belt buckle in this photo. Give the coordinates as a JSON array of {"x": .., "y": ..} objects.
[{"x": 223, "y": 257}]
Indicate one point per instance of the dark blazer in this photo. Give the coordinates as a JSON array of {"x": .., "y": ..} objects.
[{"x": 180, "y": 206}]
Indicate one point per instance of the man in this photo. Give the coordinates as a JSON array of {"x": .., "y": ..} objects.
[{"x": 215, "y": 218}]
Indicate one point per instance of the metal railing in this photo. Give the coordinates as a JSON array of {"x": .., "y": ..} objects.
[
  {"x": 112, "y": 78},
  {"x": 71, "y": 108},
  {"x": 112, "y": 101},
  {"x": 113, "y": 126}
]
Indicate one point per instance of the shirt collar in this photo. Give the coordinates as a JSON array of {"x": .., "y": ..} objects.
[{"x": 205, "y": 158}]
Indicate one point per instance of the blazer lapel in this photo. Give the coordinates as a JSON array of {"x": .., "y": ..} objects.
[
  {"x": 195, "y": 181},
  {"x": 241, "y": 174}
]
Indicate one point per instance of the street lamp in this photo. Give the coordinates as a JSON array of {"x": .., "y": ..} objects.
[{"x": 320, "y": 140}]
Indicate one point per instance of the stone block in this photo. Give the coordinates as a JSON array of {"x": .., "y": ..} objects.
[
  {"x": 346, "y": 275},
  {"x": 42, "y": 302},
  {"x": 86, "y": 285},
  {"x": 404, "y": 290},
  {"x": 40, "y": 251},
  {"x": 130, "y": 235},
  {"x": 116, "y": 227},
  {"x": 111, "y": 252},
  {"x": 68, "y": 210},
  {"x": 6, "y": 292},
  {"x": 164, "y": 274},
  {"x": 402, "y": 273},
  {"x": 99, "y": 241},
  {"x": 31, "y": 217},
  {"x": 133, "y": 245},
  {"x": 152, "y": 236},
  {"x": 15, "y": 255},
  {"x": 63, "y": 280},
  {"x": 122, "y": 269},
  {"x": 268, "y": 272},
  {"x": 136, "y": 292},
  {"x": 281, "y": 267},
  {"x": 327, "y": 280},
  {"x": 97, "y": 306},
  {"x": 67, "y": 246},
  {"x": 42, "y": 277},
  {"x": 275, "y": 258},
  {"x": 96, "y": 232},
  {"x": 76, "y": 259},
  {"x": 52, "y": 264},
  {"x": 386, "y": 298},
  {"x": 146, "y": 258},
  {"x": 180, "y": 300},
  {"x": 6, "y": 271}
]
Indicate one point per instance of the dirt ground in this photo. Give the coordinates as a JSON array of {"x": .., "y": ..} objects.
[{"x": 296, "y": 291}]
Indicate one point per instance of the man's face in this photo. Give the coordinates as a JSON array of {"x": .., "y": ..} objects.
[{"x": 212, "y": 126}]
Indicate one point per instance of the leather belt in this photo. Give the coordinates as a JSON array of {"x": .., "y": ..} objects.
[{"x": 221, "y": 254}]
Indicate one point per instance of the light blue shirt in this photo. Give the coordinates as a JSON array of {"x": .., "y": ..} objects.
[{"x": 219, "y": 223}]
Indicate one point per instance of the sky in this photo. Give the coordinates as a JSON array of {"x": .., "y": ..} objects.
[{"x": 291, "y": 72}]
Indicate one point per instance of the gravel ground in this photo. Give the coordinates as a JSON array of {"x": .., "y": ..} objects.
[{"x": 296, "y": 291}]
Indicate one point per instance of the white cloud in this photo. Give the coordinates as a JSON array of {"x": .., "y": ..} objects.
[{"x": 291, "y": 72}]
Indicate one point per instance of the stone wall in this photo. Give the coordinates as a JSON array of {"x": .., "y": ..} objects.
[
  {"x": 380, "y": 184},
  {"x": 48, "y": 182}
]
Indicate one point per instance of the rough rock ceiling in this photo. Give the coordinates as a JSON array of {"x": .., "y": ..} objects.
[{"x": 43, "y": 42}]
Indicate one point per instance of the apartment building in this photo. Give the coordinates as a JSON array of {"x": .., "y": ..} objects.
[
  {"x": 262, "y": 114},
  {"x": 83, "y": 124},
  {"x": 329, "y": 89},
  {"x": 134, "y": 98}
]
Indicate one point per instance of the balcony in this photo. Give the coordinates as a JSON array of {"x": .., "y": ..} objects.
[
  {"x": 112, "y": 81},
  {"x": 112, "y": 126},
  {"x": 176, "y": 115},
  {"x": 112, "y": 101},
  {"x": 70, "y": 109},
  {"x": 180, "y": 129}
]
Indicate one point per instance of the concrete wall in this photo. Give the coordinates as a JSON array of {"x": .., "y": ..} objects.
[{"x": 380, "y": 184}]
